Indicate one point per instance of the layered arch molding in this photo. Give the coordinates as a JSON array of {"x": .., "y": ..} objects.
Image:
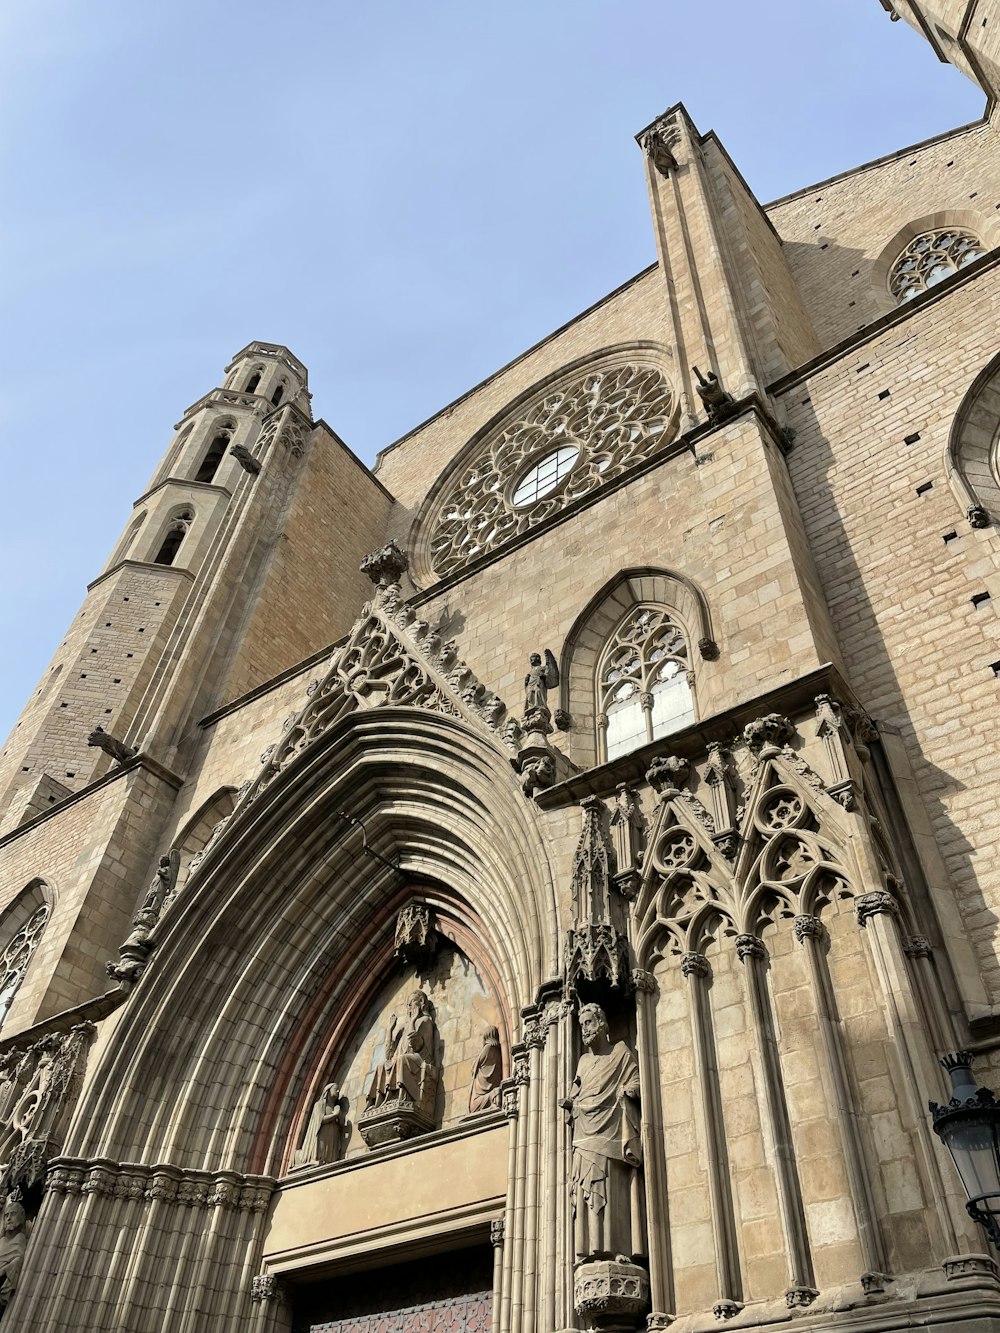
[
  {"x": 277, "y": 940},
  {"x": 677, "y": 594},
  {"x": 971, "y": 458}
]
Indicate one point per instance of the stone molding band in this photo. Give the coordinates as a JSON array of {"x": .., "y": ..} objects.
[{"x": 160, "y": 1182}]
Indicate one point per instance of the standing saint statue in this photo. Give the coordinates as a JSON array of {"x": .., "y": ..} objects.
[
  {"x": 606, "y": 1184},
  {"x": 324, "y": 1132},
  {"x": 12, "y": 1246},
  {"x": 487, "y": 1073},
  {"x": 541, "y": 677},
  {"x": 409, "y": 1056}
]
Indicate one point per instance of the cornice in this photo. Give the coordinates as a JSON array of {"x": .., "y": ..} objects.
[{"x": 178, "y": 570}]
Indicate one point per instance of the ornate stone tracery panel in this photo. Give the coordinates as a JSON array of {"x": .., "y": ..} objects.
[{"x": 581, "y": 430}]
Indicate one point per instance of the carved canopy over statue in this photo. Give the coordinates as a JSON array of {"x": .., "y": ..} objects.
[{"x": 606, "y": 1185}]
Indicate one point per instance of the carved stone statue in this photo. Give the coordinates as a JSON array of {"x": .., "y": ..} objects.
[
  {"x": 111, "y": 745},
  {"x": 323, "y": 1139},
  {"x": 402, "y": 1096},
  {"x": 606, "y": 1185},
  {"x": 409, "y": 1052},
  {"x": 541, "y": 677},
  {"x": 487, "y": 1073},
  {"x": 718, "y": 404},
  {"x": 12, "y": 1246},
  {"x": 135, "y": 950}
]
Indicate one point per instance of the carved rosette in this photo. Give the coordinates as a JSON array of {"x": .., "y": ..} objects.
[{"x": 610, "y": 1295}]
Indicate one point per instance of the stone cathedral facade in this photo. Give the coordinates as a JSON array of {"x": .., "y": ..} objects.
[{"x": 530, "y": 885}]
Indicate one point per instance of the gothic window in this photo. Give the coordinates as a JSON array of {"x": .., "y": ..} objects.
[
  {"x": 252, "y": 382},
  {"x": 175, "y": 534},
  {"x": 214, "y": 456},
  {"x": 643, "y": 682},
  {"x": 22, "y": 929},
  {"x": 277, "y": 396},
  {"x": 582, "y": 429},
  {"x": 930, "y": 258}
]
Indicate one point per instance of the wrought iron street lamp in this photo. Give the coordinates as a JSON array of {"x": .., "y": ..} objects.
[{"x": 969, "y": 1127}]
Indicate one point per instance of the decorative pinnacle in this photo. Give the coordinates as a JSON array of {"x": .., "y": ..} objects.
[{"x": 387, "y": 565}]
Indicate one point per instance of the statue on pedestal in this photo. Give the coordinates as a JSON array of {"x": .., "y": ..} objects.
[
  {"x": 606, "y": 1184},
  {"x": 541, "y": 677},
  {"x": 402, "y": 1096}
]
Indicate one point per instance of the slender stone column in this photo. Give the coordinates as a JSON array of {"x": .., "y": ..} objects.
[
  {"x": 801, "y": 1278},
  {"x": 496, "y": 1239},
  {"x": 811, "y": 933},
  {"x": 511, "y": 1096},
  {"x": 551, "y": 1155},
  {"x": 697, "y": 969},
  {"x": 878, "y": 915},
  {"x": 661, "y": 1274}
]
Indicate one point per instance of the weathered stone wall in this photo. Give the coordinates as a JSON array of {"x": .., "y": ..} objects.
[{"x": 835, "y": 231}]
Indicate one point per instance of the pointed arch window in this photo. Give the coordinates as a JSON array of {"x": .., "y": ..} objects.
[
  {"x": 22, "y": 929},
  {"x": 214, "y": 455},
  {"x": 644, "y": 682},
  {"x": 253, "y": 381},
  {"x": 175, "y": 534}
]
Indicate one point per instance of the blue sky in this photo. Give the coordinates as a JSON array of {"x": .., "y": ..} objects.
[{"x": 406, "y": 195}]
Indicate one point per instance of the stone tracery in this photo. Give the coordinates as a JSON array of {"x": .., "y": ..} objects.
[{"x": 581, "y": 432}]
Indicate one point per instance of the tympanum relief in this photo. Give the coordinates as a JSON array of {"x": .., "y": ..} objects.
[{"x": 419, "y": 1061}]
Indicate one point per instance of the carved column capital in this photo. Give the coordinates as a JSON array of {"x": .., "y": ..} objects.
[
  {"x": 867, "y": 905},
  {"x": 796, "y": 1298},
  {"x": 749, "y": 946},
  {"x": 644, "y": 982},
  {"x": 808, "y": 927},
  {"x": 695, "y": 965},
  {"x": 918, "y": 946},
  {"x": 266, "y": 1287},
  {"x": 657, "y": 1321},
  {"x": 510, "y": 1099},
  {"x": 497, "y": 1232}
]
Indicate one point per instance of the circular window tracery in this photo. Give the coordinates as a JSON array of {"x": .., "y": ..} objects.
[
  {"x": 581, "y": 432},
  {"x": 930, "y": 258}
]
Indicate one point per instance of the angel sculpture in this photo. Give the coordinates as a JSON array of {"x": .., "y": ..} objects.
[{"x": 541, "y": 677}]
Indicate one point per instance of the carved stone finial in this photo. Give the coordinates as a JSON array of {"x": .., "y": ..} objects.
[
  {"x": 591, "y": 880},
  {"x": 668, "y": 773},
  {"x": 867, "y": 905},
  {"x": 386, "y": 566},
  {"x": 111, "y": 745},
  {"x": 416, "y": 938},
  {"x": 808, "y": 927},
  {"x": 627, "y": 831},
  {"x": 718, "y": 404},
  {"x": 768, "y": 734},
  {"x": 245, "y": 459}
]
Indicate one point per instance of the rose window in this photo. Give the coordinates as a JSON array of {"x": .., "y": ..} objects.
[
  {"x": 644, "y": 690},
  {"x": 17, "y": 955},
  {"x": 586, "y": 429},
  {"x": 929, "y": 259}
]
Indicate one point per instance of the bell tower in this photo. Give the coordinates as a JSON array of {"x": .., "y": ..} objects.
[{"x": 127, "y": 655}]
